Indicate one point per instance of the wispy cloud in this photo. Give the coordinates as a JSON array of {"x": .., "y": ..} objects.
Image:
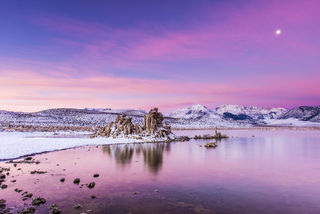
[{"x": 228, "y": 54}]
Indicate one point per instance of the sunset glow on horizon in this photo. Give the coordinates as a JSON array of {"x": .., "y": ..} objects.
[{"x": 170, "y": 54}]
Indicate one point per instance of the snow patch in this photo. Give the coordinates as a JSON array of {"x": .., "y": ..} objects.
[{"x": 18, "y": 144}]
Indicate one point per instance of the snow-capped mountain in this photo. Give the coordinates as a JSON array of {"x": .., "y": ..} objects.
[
  {"x": 239, "y": 116},
  {"x": 235, "y": 112},
  {"x": 194, "y": 112},
  {"x": 304, "y": 113},
  {"x": 249, "y": 112},
  {"x": 199, "y": 116},
  {"x": 196, "y": 116},
  {"x": 67, "y": 117},
  {"x": 131, "y": 112}
]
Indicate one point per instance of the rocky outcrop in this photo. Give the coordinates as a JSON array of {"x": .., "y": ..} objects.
[
  {"x": 123, "y": 127},
  {"x": 152, "y": 124},
  {"x": 217, "y": 135}
]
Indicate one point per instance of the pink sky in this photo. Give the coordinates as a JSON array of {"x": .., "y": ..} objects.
[{"x": 210, "y": 53}]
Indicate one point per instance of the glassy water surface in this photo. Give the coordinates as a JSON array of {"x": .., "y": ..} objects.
[{"x": 252, "y": 172}]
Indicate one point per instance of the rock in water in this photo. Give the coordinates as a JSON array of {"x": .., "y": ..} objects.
[
  {"x": 210, "y": 145},
  {"x": 152, "y": 126},
  {"x": 76, "y": 181},
  {"x": 38, "y": 201},
  {"x": 54, "y": 209}
]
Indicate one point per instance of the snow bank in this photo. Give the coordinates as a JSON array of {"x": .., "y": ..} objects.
[
  {"x": 291, "y": 122},
  {"x": 18, "y": 144}
]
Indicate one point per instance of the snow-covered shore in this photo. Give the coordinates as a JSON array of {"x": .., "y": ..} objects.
[{"x": 18, "y": 144}]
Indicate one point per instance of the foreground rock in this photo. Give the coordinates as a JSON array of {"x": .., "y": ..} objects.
[
  {"x": 54, "y": 209},
  {"x": 28, "y": 210},
  {"x": 152, "y": 128},
  {"x": 38, "y": 201}
]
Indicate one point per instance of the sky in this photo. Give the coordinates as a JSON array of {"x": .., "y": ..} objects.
[{"x": 169, "y": 53}]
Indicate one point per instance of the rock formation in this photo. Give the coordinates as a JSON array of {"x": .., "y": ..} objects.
[{"x": 123, "y": 126}]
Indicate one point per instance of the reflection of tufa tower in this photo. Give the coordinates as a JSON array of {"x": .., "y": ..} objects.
[{"x": 153, "y": 156}]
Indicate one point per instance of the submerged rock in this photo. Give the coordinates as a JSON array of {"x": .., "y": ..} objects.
[
  {"x": 2, "y": 204},
  {"x": 18, "y": 190},
  {"x": 54, "y": 209},
  {"x": 38, "y": 172},
  {"x": 28, "y": 210},
  {"x": 38, "y": 201},
  {"x": 76, "y": 181},
  {"x": 210, "y": 145},
  {"x": 77, "y": 206},
  {"x": 91, "y": 185},
  {"x": 27, "y": 196}
]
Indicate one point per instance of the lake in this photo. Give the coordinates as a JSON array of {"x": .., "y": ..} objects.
[{"x": 254, "y": 171}]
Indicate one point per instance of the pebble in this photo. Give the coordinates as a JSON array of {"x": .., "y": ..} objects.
[
  {"x": 91, "y": 185},
  {"x": 76, "y": 181},
  {"x": 77, "y": 206},
  {"x": 38, "y": 201}
]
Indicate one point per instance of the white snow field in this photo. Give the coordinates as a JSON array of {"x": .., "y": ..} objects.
[
  {"x": 291, "y": 122},
  {"x": 18, "y": 144}
]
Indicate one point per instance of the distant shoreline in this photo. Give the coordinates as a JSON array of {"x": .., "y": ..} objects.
[{"x": 255, "y": 128}]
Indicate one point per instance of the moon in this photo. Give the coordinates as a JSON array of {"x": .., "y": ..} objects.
[{"x": 278, "y": 32}]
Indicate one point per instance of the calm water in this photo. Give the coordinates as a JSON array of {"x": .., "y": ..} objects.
[{"x": 272, "y": 172}]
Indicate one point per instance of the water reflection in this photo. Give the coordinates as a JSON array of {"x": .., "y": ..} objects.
[{"x": 152, "y": 154}]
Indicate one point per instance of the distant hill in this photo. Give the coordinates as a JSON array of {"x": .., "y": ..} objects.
[
  {"x": 68, "y": 117},
  {"x": 195, "y": 116},
  {"x": 243, "y": 116},
  {"x": 304, "y": 113}
]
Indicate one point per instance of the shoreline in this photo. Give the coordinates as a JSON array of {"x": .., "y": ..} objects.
[
  {"x": 21, "y": 144},
  {"x": 255, "y": 128}
]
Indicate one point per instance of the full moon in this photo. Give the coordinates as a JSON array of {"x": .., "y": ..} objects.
[{"x": 278, "y": 32}]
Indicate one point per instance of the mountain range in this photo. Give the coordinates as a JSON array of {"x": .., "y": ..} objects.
[
  {"x": 195, "y": 116},
  {"x": 238, "y": 116}
]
